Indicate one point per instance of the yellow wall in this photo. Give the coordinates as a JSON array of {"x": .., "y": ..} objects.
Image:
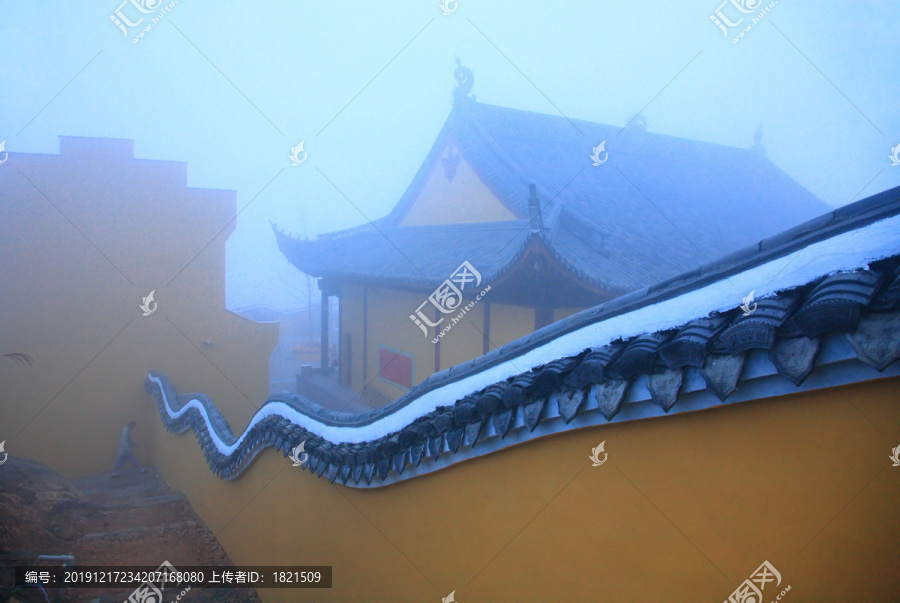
[
  {"x": 76, "y": 313},
  {"x": 464, "y": 199},
  {"x": 465, "y": 340},
  {"x": 352, "y": 323},
  {"x": 390, "y": 326},
  {"x": 685, "y": 508},
  {"x": 509, "y": 323}
]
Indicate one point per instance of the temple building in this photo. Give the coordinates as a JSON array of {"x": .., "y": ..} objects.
[
  {"x": 516, "y": 220},
  {"x": 773, "y": 431}
]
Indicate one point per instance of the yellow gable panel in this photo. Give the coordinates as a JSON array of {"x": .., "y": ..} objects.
[{"x": 453, "y": 194}]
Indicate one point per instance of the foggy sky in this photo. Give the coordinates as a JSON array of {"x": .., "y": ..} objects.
[{"x": 230, "y": 88}]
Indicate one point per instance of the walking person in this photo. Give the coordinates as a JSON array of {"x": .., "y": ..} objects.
[{"x": 126, "y": 445}]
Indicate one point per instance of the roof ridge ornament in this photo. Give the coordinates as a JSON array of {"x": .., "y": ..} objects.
[
  {"x": 757, "y": 140},
  {"x": 534, "y": 210},
  {"x": 464, "y": 81},
  {"x": 450, "y": 161},
  {"x": 638, "y": 121},
  {"x": 635, "y": 129},
  {"x": 593, "y": 381}
]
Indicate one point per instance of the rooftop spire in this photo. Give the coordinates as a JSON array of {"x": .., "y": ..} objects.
[
  {"x": 534, "y": 210},
  {"x": 757, "y": 140},
  {"x": 464, "y": 81}
]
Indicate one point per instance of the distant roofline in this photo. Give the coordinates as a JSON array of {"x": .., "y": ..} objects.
[
  {"x": 401, "y": 207},
  {"x": 626, "y": 127}
]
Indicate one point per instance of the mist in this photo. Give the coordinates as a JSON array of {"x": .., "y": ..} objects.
[{"x": 231, "y": 89}]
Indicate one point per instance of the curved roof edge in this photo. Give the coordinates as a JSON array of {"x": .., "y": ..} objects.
[{"x": 835, "y": 311}]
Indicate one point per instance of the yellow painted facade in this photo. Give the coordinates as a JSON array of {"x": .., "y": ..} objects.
[
  {"x": 92, "y": 234},
  {"x": 389, "y": 326},
  {"x": 560, "y": 313},
  {"x": 685, "y": 508},
  {"x": 464, "y": 341},
  {"x": 463, "y": 199},
  {"x": 509, "y": 323},
  {"x": 351, "y": 317}
]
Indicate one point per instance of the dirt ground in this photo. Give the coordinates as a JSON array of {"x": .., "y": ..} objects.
[{"x": 132, "y": 520}]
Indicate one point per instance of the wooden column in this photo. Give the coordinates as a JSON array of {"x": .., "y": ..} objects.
[
  {"x": 486, "y": 339},
  {"x": 340, "y": 341},
  {"x": 542, "y": 317},
  {"x": 324, "y": 336},
  {"x": 365, "y": 337},
  {"x": 437, "y": 346}
]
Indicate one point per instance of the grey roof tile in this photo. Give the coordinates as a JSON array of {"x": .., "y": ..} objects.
[
  {"x": 860, "y": 298},
  {"x": 659, "y": 206}
]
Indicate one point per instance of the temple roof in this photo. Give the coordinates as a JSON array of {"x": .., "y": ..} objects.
[
  {"x": 658, "y": 206},
  {"x": 826, "y": 313}
]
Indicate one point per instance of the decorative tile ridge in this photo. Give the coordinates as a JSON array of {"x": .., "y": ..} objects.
[
  {"x": 787, "y": 331},
  {"x": 856, "y": 216},
  {"x": 860, "y": 215}
]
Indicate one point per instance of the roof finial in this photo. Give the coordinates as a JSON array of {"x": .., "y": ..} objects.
[
  {"x": 638, "y": 122},
  {"x": 464, "y": 81},
  {"x": 534, "y": 210},
  {"x": 757, "y": 140}
]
